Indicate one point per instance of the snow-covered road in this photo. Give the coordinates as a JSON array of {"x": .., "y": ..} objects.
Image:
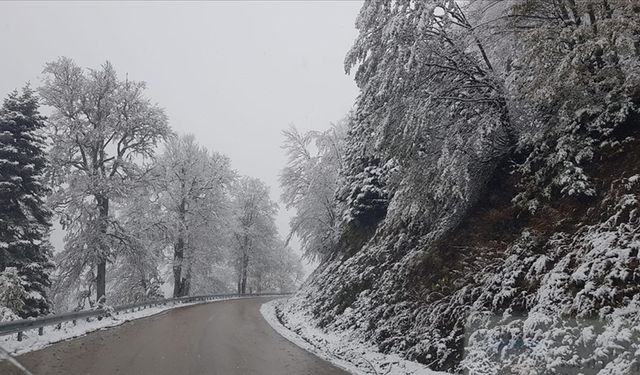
[{"x": 226, "y": 338}]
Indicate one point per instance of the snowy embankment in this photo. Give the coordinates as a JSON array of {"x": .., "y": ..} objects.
[
  {"x": 32, "y": 341},
  {"x": 350, "y": 355}
]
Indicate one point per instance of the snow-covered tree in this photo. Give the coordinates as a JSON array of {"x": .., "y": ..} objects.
[
  {"x": 136, "y": 272},
  {"x": 255, "y": 230},
  {"x": 433, "y": 118},
  {"x": 275, "y": 269},
  {"x": 415, "y": 62},
  {"x": 12, "y": 294},
  {"x": 25, "y": 251},
  {"x": 101, "y": 127},
  {"x": 309, "y": 183},
  {"x": 576, "y": 66},
  {"x": 191, "y": 193}
]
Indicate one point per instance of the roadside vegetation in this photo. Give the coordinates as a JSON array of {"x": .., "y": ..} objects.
[
  {"x": 143, "y": 209},
  {"x": 486, "y": 200}
]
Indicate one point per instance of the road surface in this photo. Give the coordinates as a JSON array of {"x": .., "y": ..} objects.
[{"x": 220, "y": 338}]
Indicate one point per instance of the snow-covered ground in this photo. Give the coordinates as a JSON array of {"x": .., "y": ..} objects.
[
  {"x": 352, "y": 356},
  {"x": 32, "y": 341}
]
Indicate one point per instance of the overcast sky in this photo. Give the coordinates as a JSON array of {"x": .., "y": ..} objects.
[{"x": 234, "y": 73}]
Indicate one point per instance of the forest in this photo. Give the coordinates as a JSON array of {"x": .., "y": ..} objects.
[
  {"x": 146, "y": 212},
  {"x": 477, "y": 211}
]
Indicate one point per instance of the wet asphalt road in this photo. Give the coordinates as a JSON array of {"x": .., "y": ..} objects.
[{"x": 221, "y": 338}]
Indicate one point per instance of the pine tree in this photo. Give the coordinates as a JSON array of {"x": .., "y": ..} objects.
[{"x": 24, "y": 217}]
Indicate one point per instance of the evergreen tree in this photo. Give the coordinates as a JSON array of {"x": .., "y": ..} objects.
[{"x": 24, "y": 218}]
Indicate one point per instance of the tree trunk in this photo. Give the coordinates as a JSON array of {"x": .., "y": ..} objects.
[
  {"x": 101, "y": 281},
  {"x": 101, "y": 274},
  {"x": 178, "y": 254},
  {"x": 178, "y": 257},
  {"x": 259, "y": 282},
  {"x": 186, "y": 283},
  {"x": 244, "y": 264},
  {"x": 243, "y": 279}
]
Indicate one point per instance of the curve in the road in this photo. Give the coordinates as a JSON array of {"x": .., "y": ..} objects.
[{"x": 220, "y": 338}]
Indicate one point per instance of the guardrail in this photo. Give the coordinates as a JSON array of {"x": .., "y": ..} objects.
[{"x": 19, "y": 326}]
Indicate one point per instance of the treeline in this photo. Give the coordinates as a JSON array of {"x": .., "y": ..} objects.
[{"x": 131, "y": 214}]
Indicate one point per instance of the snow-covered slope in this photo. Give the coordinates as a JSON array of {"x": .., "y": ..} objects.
[
  {"x": 560, "y": 292},
  {"x": 488, "y": 214},
  {"x": 348, "y": 353}
]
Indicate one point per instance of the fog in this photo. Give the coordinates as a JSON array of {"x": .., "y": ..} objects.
[{"x": 232, "y": 73}]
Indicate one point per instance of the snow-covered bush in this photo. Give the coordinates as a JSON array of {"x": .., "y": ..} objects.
[
  {"x": 581, "y": 301},
  {"x": 580, "y": 77},
  {"x": 12, "y": 294}
]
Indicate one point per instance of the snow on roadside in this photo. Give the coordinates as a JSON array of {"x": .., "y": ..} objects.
[
  {"x": 355, "y": 357},
  {"x": 32, "y": 341}
]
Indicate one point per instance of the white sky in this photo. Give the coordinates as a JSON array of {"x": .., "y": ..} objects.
[{"x": 234, "y": 73}]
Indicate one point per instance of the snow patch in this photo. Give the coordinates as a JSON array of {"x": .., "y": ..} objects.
[{"x": 355, "y": 357}]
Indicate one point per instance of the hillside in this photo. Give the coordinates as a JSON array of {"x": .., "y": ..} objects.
[{"x": 488, "y": 207}]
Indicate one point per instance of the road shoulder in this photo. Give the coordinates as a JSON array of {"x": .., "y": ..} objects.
[{"x": 349, "y": 355}]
